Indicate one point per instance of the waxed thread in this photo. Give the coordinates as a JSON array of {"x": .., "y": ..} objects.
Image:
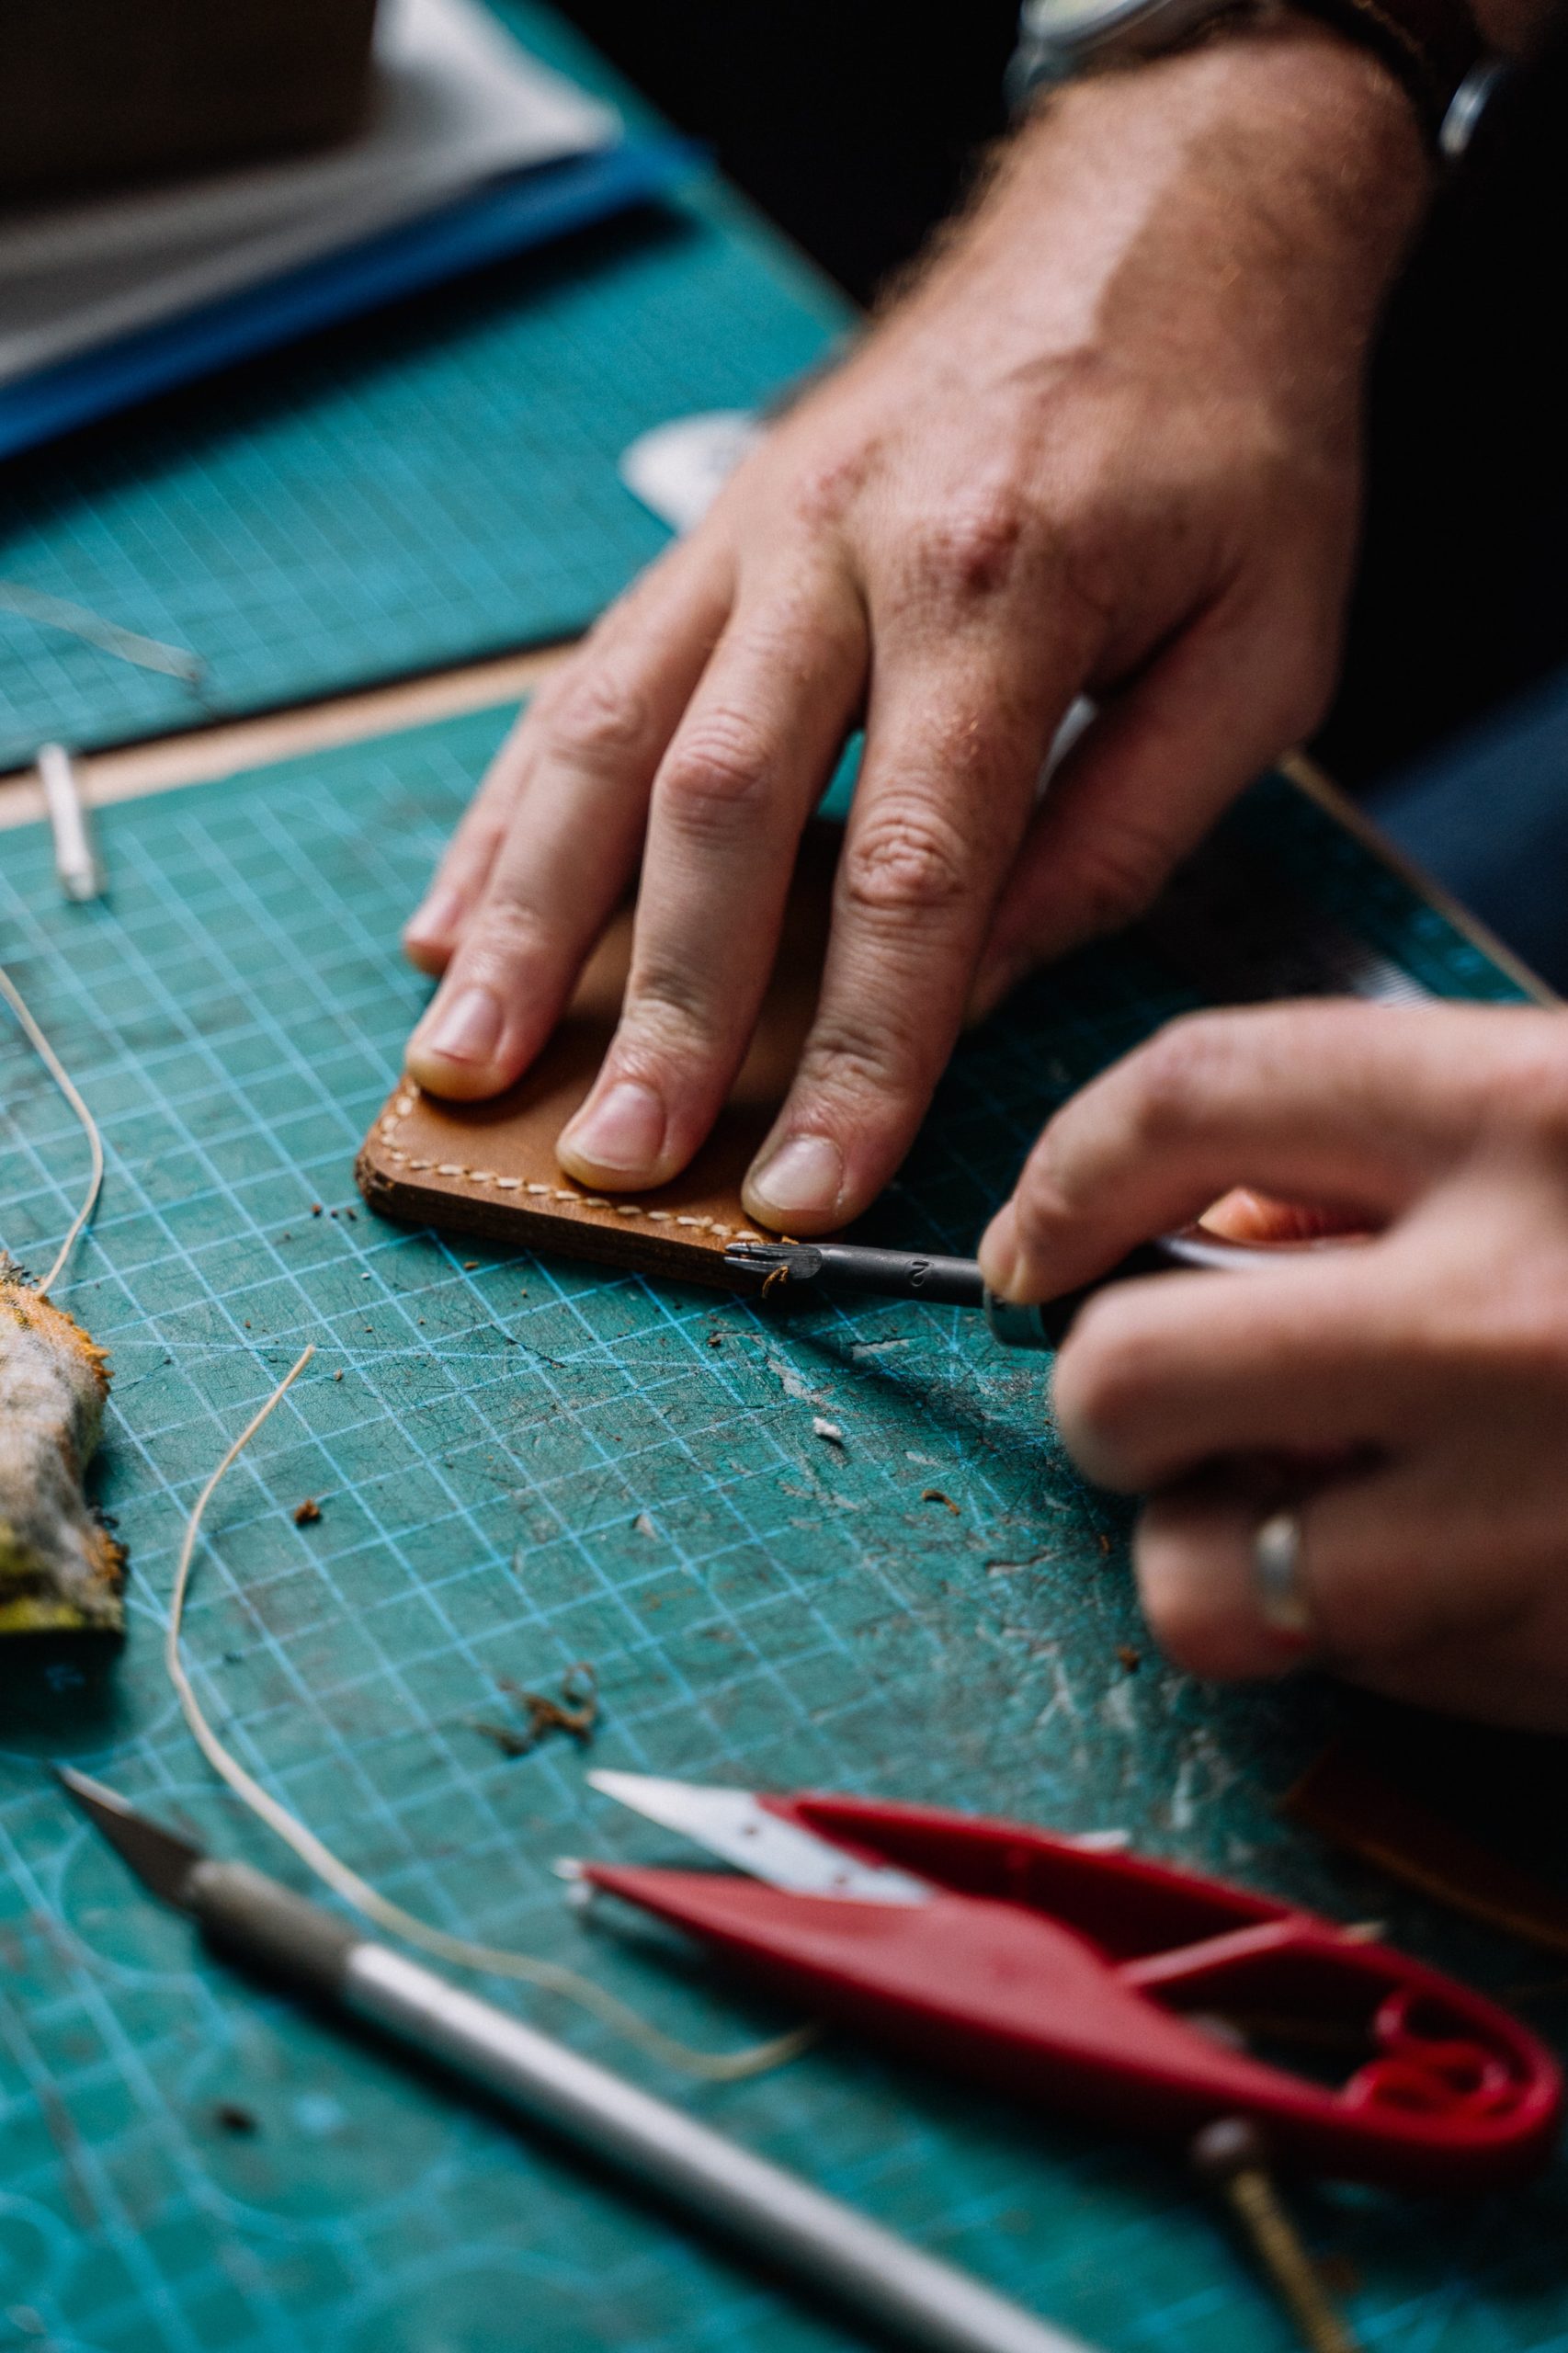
[
  {"x": 462, "y": 1952},
  {"x": 64, "y": 1080}
]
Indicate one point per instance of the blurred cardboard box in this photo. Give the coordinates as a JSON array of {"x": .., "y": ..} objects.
[{"x": 99, "y": 90}]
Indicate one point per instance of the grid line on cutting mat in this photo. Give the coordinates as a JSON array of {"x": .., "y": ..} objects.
[{"x": 528, "y": 1463}]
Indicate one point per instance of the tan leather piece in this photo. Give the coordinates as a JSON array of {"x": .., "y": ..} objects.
[{"x": 491, "y": 1167}]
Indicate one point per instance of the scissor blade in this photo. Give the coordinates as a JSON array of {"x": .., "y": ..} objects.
[{"x": 734, "y": 1825}]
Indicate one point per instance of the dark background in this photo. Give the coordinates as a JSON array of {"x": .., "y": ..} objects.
[{"x": 856, "y": 127}]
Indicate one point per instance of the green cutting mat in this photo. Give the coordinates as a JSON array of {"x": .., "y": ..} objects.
[
  {"x": 521, "y": 1463},
  {"x": 418, "y": 488}
]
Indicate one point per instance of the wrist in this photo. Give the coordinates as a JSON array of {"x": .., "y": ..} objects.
[{"x": 1283, "y": 144}]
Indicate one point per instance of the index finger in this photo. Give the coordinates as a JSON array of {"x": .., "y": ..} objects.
[{"x": 1350, "y": 1106}]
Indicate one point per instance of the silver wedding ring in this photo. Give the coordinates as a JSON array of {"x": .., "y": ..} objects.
[{"x": 1277, "y": 1574}]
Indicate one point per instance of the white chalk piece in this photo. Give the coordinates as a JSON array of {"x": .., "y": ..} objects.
[{"x": 76, "y": 860}]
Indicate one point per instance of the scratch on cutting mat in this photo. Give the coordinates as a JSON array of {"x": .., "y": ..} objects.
[
  {"x": 125, "y": 645},
  {"x": 57, "y": 2121}
]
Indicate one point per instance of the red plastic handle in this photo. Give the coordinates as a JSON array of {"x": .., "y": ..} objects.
[{"x": 1089, "y": 1979}]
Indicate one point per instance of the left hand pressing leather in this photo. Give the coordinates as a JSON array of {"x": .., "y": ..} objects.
[{"x": 1417, "y": 1379}]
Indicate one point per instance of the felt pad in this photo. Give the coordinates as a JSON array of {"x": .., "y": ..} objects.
[{"x": 491, "y": 1167}]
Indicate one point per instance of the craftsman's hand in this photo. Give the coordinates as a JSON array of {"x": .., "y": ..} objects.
[
  {"x": 1411, "y": 1389},
  {"x": 1109, "y": 443}
]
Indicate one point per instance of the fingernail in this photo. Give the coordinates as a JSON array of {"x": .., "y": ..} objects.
[
  {"x": 804, "y": 1177},
  {"x": 465, "y": 1030},
  {"x": 624, "y": 1131},
  {"x": 437, "y": 917},
  {"x": 999, "y": 1253}
]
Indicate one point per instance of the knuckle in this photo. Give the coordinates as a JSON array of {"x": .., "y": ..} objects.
[
  {"x": 599, "y": 720},
  {"x": 905, "y": 860},
  {"x": 1045, "y": 1200},
  {"x": 968, "y": 550},
  {"x": 1377, "y": 1597},
  {"x": 1527, "y": 1094},
  {"x": 1517, "y": 1335},
  {"x": 1117, "y": 875},
  {"x": 670, "y": 1019},
  {"x": 1177, "y": 1075},
  {"x": 1102, "y": 1388},
  {"x": 1192, "y": 1632},
  {"x": 823, "y": 488},
  {"x": 508, "y": 932},
  {"x": 716, "y": 773},
  {"x": 862, "y": 1066}
]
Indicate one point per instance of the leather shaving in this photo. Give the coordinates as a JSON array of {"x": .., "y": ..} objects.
[{"x": 575, "y": 1713}]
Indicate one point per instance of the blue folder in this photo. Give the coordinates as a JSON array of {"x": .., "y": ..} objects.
[{"x": 506, "y": 216}]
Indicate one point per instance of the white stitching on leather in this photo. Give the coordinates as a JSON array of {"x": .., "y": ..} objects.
[{"x": 391, "y": 1121}]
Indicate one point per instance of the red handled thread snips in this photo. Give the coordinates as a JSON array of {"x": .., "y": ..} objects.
[{"x": 1064, "y": 1971}]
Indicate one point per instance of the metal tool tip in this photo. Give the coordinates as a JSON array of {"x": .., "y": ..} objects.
[
  {"x": 799, "y": 1260},
  {"x": 161, "y": 1861},
  {"x": 94, "y": 1797}
]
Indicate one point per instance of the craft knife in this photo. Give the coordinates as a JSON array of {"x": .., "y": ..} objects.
[{"x": 836, "y": 2253}]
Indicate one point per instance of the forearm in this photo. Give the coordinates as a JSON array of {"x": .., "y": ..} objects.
[{"x": 1288, "y": 156}]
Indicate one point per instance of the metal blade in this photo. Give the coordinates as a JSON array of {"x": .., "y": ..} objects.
[
  {"x": 733, "y": 1825},
  {"x": 160, "y": 1861},
  {"x": 801, "y": 1261}
]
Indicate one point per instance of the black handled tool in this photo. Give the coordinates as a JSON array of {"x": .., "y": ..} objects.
[{"x": 958, "y": 1282}]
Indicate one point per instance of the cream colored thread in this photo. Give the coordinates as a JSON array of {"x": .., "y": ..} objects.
[
  {"x": 63, "y": 1079},
  {"x": 496, "y": 1961}
]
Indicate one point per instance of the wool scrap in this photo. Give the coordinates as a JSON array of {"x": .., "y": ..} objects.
[{"x": 60, "y": 1570}]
